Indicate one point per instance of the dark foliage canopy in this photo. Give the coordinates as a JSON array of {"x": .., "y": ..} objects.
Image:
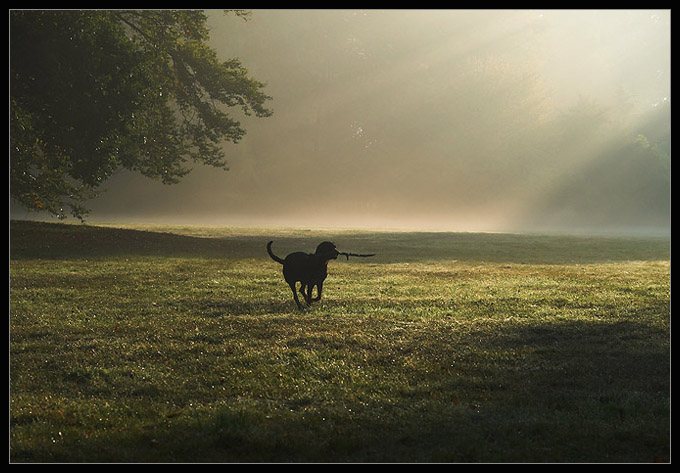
[{"x": 92, "y": 92}]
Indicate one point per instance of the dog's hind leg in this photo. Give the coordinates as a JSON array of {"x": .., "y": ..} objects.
[{"x": 295, "y": 296}]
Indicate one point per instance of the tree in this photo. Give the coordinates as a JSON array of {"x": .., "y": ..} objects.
[{"x": 92, "y": 92}]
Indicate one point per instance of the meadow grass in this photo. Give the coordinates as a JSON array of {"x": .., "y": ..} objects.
[{"x": 183, "y": 344}]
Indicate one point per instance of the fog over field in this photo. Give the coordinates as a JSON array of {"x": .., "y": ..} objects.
[{"x": 463, "y": 120}]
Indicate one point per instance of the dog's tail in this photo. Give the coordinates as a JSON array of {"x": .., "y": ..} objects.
[{"x": 271, "y": 253}]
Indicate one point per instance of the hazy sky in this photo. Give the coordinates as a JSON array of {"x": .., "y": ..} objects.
[{"x": 444, "y": 119}]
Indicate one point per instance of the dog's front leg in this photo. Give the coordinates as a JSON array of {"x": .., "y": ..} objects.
[
  {"x": 306, "y": 291},
  {"x": 319, "y": 286}
]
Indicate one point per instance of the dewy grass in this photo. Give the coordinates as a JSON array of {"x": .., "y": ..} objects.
[{"x": 140, "y": 346}]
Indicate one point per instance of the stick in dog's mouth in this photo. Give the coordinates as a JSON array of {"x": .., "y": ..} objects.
[{"x": 347, "y": 255}]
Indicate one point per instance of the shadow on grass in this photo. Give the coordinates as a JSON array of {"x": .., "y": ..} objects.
[
  {"x": 232, "y": 307},
  {"x": 559, "y": 392},
  {"x": 54, "y": 241}
]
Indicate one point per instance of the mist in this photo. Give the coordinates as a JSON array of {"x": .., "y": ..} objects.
[{"x": 456, "y": 120}]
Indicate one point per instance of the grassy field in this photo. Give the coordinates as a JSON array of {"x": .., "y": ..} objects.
[{"x": 183, "y": 344}]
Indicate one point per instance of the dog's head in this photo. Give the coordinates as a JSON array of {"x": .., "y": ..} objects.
[{"x": 327, "y": 250}]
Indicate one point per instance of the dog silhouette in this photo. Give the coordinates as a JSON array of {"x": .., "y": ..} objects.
[{"x": 308, "y": 269}]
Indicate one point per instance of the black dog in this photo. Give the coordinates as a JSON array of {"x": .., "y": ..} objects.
[{"x": 308, "y": 269}]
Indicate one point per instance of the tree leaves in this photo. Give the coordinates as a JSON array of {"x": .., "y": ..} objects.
[{"x": 96, "y": 91}]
